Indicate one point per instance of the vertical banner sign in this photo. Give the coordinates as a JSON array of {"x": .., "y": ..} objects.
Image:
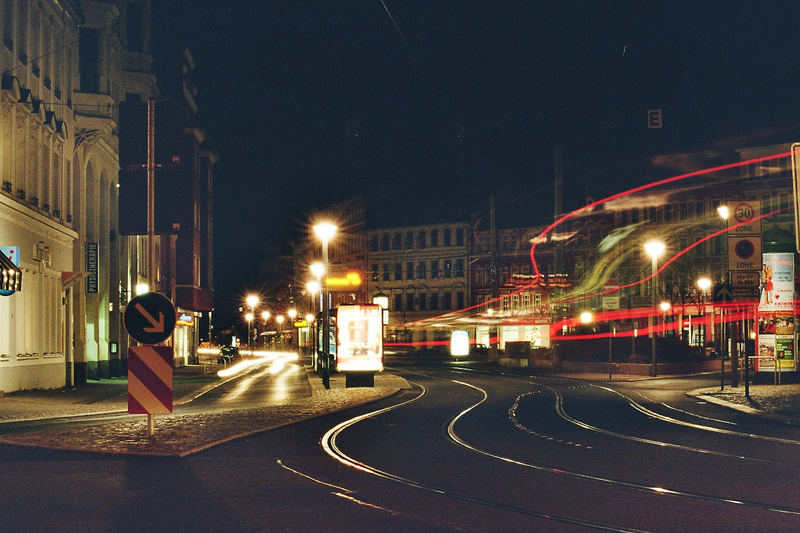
[
  {"x": 776, "y": 312},
  {"x": 150, "y": 380},
  {"x": 91, "y": 267}
]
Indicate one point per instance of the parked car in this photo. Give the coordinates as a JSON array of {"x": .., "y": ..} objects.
[{"x": 227, "y": 354}]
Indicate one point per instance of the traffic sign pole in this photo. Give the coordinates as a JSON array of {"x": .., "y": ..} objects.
[{"x": 150, "y": 319}]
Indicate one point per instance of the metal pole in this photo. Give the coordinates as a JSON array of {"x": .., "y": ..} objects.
[
  {"x": 610, "y": 363},
  {"x": 151, "y": 224},
  {"x": 326, "y": 359},
  {"x": 654, "y": 363}
]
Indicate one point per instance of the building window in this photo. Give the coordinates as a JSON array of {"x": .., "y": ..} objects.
[
  {"x": 409, "y": 270},
  {"x": 398, "y": 271},
  {"x": 537, "y": 300},
  {"x": 421, "y": 274},
  {"x": 374, "y": 272},
  {"x": 448, "y": 268},
  {"x": 447, "y": 237},
  {"x": 515, "y": 301},
  {"x": 398, "y": 302},
  {"x": 385, "y": 242},
  {"x": 447, "y": 301},
  {"x": 397, "y": 241},
  {"x": 421, "y": 239},
  {"x": 409, "y": 302},
  {"x": 386, "y": 272},
  {"x": 435, "y": 301},
  {"x": 460, "y": 237},
  {"x": 684, "y": 211},
  {"x": 423, "y": 302},
  {"x": 435, "y": 269},
  {"x": 373, "y": 243},
  {"x": 460, "y": 299},
  {"x": 526, "y": 300},
  {"x": 459, "y": 273},
  {"x": 699, "y": 209},
  {"x": 434, "y": 237},
  {"x": 409, "y": 240}
]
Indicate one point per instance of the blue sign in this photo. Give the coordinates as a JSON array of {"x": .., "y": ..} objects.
[
  {"x": 149, "y": 318},
  {"x": 91, "y": 267}
]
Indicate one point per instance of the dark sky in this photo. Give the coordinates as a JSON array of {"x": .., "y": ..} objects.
[{"x": 426, "y": 106}]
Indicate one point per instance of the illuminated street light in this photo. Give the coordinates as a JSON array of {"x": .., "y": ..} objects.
[
  {"x": 586, "y": 317},
  {"x": 704, "y": 284},
  {"x": 664, "y": 306},
  {"x": 723, "y": 211},
  {"x": 654, "y": 248},
  {"x": 325, "y": 231},
  {"x": 265, "y": 315},
  {"x": 318, "y": 269},
  {"x": 252, "y": 301}
]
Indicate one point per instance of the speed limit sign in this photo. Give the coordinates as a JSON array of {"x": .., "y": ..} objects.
[{"x": 745, "y": 218}]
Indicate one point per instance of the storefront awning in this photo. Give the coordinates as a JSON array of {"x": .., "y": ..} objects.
[{"x": 10, "y": 276}]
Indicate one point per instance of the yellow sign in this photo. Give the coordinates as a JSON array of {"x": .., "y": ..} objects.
[
  {"x": 351, "y": 279},
  {"x": 301, "y": 324}
]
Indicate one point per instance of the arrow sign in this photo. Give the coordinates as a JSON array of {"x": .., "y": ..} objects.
[
  {"x": 150, "y": 318},
  {"x": 157, "y": 325}
]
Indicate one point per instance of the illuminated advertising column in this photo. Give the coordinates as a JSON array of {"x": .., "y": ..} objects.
[
  {"x": 359, "y": 338},
  {"x": 776, "y": 313}
]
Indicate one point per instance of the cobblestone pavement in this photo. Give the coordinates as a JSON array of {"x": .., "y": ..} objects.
[
  {"x": 175, "y": 434},
  {"x": 777, "y": 402}
]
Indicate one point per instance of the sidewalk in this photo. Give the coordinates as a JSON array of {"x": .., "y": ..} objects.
[{"x": 175, "y": 434}]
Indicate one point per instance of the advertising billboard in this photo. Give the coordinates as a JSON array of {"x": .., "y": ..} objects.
[
  {"x": 359, "y": 338},
  {"x": 776, "y": 313}
]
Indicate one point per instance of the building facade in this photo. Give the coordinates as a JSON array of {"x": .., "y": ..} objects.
[
  {"x": 423, "y": 271},
  {"x": 66, "y": 66}
]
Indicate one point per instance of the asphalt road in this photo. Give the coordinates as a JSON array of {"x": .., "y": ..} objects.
[{"x": 463, "y": 451}]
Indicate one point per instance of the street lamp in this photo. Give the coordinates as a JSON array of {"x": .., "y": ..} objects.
[
  {"x": 292, "y": 314},
  {"x": 654, "y": 248},
  {"x": 249, "y": 318},
  {"x": 664, "y": 306},
  {"x": 265, "y": 317},
  {"x": 724, "y": 213},
  {"x": 704, "y": 284},
  {"x": 252, "y": 302},
  {"x": 279, "y": 319},
  {"x": 325, "y": 231}
]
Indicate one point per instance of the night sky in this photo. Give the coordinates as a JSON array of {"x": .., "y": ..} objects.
[{"x": 427, "y": 107}]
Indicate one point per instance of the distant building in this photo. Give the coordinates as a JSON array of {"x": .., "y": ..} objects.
[{"x": 424, "y": 272}]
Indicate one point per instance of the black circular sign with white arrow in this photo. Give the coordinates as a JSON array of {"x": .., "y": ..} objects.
[{"x": 149, "y": 318}]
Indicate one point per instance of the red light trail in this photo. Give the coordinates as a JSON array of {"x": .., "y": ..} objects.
[{"x": 626, "y": 314}]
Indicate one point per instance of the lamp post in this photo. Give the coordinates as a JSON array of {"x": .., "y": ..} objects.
[
  {"x": 654, "y": 249},
  {"x": 703, "y": 284},
  {"x": 664, "y": 306},
  {"x": 325, "y": 232},
  {"x": 724, "y": 213},
  {"x": 292, "y": 314},
  {"x": 252, "y": 302},
  {"x": 265, "y": 316},
  {"x": 249, "y": 318},
  {"x": 279, "y": 319}
]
